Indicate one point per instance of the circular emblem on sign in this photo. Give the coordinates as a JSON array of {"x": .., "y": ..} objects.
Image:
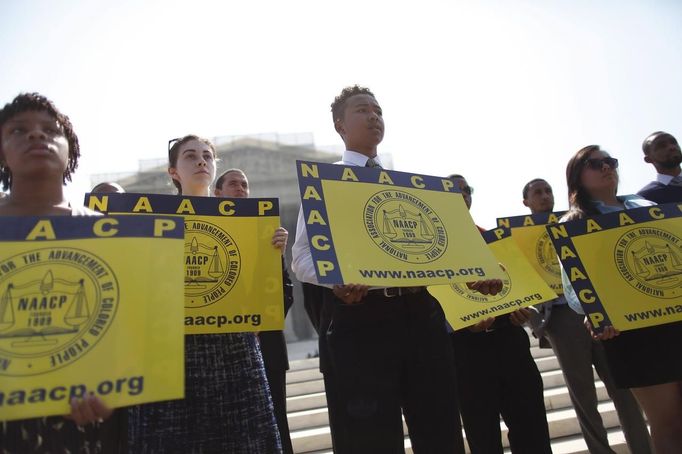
[
  {"x": 650, "y": 259},
  {"x": 405, "y": 227},
  {"x": 546, "y": 255},
  {"x": 212, "y": 263},
  {"x": 471, "y": 295},
  {"x": 55, "y": 305}
]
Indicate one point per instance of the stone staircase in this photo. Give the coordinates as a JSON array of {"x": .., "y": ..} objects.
[{"x": 309, "y": 423}]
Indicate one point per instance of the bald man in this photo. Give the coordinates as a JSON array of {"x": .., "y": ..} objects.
[{"x": 663, "y": 152}]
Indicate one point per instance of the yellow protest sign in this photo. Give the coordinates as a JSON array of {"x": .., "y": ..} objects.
[
  {"x": 522, "y": 287},
  {"x": 233, "y": 274},
  {"x": 89, "y": 305},
  {"x": 378, "y": 227},
  {"x": 625, "y": 267},
  {"x": 530, "y": 234}
]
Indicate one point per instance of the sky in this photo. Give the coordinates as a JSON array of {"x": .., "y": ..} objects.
[{"x": 499, "y": 91}]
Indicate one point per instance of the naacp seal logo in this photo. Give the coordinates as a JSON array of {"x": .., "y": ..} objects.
[
  {"x": 212, "y": 263},
  {"x": 464, "y": 291},
  {"x": 405, "y": 227},
  {"x": 55, "y": 305},
  {"x": 546, "y": 255},
  {"x": 650, "y": 259}
]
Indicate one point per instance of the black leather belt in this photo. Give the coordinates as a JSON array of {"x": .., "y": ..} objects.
[{"x": 391, "y": 292}]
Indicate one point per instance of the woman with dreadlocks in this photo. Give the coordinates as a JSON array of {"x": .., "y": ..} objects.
[{"x": 38, "y": 154}]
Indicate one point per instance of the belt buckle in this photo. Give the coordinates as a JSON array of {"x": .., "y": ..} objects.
[{"x": 391, "y": 292}]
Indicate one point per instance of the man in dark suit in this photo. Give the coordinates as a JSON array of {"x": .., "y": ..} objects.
[
  {"x": 233, "y": 183},
  {"x": 497, "y": 375},
  {"x": 662, "y": 150},
  {"x": 274, "y": 349},
  {"x": 385, "y": 349}
]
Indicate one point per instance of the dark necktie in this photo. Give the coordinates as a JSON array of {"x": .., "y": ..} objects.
[{"x": 371, "y": 162}]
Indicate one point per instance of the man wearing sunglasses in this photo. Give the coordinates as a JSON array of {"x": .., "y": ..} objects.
[
  {"x": 662, "y": 150},
  {"x": 496, "y": 375},
  {"x": 577, "y": 351}
]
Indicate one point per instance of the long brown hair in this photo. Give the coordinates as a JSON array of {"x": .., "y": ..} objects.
[
  {"x": 579, "y": 201},
  {"x": 174, "y": 151}
]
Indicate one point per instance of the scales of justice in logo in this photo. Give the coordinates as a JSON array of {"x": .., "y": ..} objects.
[
  {"x": 212, "y": 264},
  {"x": 546, "y": 255},
  {"x": 49, "y": 321},
  {"x": 405, "y": 227},
  {"x": 651, "y": 261}
]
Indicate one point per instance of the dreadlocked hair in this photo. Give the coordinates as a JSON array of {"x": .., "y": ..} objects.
[{"x": 26, "y": 102}]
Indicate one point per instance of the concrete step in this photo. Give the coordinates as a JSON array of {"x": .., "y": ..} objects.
[
  {"x": 306, "y": 402},
  {"x": 301, "y": 364},
  {"x": 309, "y": 421},
  {"x": 563, "y": 429},
  {"x": 544, "y": 363},
  {"x": 311, "y": 410},
  {"x": 304, "y": 388},
  {"x": 313, "y": 363},
  {"x": 567, "y": 445},
  {"x": 310, "y": 381},
  {"x": 576, "y": 444}
]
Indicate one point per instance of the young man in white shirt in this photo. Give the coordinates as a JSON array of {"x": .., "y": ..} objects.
[{"x": 382, "y": 350}]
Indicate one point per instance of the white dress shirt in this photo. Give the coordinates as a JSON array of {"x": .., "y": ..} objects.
[
  {"x": 302, "y": 262},
  {"x": 667, "y": 179},
  {"x": 664, "y": 179}
]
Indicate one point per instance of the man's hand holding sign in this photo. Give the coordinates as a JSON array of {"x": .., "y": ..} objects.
[{"x": 475, "y": 305}]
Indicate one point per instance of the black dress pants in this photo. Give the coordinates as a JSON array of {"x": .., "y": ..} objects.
[
  {"x": 389, "y": 354},
  {"x": 498, "y": 376}
]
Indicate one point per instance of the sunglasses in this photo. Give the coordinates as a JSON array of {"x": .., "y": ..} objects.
[
  {"x": 598, "y": 164},
  {"x": 171, "y": 143}
]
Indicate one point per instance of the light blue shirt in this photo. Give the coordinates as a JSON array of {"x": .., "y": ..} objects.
[{"x": 629, "y": 201}]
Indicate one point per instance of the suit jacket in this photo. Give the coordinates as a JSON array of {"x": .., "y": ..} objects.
[
  {"x": 661, "y": 193},
  {"x": 319, "y": 303},
  {"x": 273, "y": 346},
  {"x": 312, "y": 301}
]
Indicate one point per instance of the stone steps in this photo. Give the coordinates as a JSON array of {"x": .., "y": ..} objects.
[{"x": 309, "y": 421}]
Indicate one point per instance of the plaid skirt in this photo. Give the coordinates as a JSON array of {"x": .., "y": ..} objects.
[{"x": 227, "y": 406}]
